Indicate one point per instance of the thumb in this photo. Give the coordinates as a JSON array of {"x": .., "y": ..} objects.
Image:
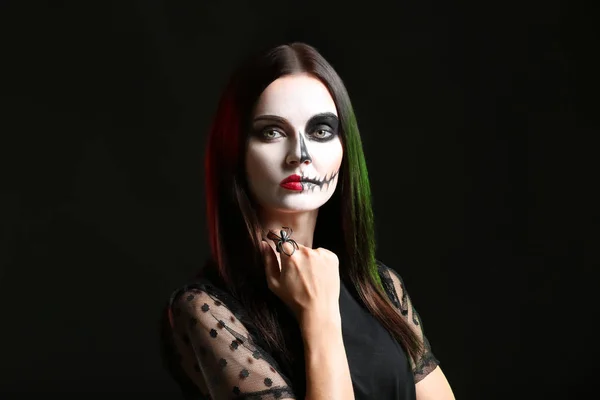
[{"x": 272, "y": 268}]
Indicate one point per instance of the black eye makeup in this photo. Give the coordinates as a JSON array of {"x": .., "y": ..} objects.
[
  {"x": 321, "y": 133},
  {"x": 322, "y": 127},
  {"x": 319, "y": 128}
]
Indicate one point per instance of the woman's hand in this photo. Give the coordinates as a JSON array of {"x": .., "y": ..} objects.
[{"x": 308, "y": 281}]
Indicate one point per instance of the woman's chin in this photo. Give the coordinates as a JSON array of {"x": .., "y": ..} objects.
[{"x": 296, "y": 207}]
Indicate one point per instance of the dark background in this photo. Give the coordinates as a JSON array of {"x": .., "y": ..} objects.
[{"x": 473, "y": 118}]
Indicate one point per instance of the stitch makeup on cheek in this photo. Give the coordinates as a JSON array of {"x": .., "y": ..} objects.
[
  {"x": 316, "y": 182},
  {"x": 299, "y": 183}
]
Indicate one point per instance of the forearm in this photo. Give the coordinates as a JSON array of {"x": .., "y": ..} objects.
[{"x": 327, "y": 371}]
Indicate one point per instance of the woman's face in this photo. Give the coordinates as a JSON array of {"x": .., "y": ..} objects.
[{"x": 294, "y": 151}]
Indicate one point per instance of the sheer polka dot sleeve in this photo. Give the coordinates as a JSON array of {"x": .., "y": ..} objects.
[
  {"x": 394, "y": 286},
  {"x": 217, "y": 353}
]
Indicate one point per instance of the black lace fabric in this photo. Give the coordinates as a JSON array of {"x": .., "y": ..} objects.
[
  {"x": 394, "y": 287},
  {"x": 214, "y": 356},
  {"x": 218, "y": 353}
]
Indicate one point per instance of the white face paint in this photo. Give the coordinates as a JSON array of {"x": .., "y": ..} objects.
[{"x": 294, "y": 131}]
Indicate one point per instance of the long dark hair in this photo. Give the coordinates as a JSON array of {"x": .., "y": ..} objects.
[{"x": 345, "y": 224}]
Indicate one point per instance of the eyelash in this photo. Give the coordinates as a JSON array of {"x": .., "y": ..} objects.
[
  {"x": 268, "y": 130},
  {"x": 329, "y": 135}
]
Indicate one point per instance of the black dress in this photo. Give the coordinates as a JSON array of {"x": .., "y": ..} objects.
[{"x": 213, "y": 354}]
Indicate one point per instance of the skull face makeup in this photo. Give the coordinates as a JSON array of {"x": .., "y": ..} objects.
[{"x": 294, "y": 152}]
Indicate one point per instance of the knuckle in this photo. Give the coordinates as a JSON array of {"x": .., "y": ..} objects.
[{"x": 271, "y": 284}]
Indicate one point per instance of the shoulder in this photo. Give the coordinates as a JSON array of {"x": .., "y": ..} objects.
[
  {"x": 201, "y": 302},
  {"x": 389, "y": 274},
  {"x": 202, "y": 287}
]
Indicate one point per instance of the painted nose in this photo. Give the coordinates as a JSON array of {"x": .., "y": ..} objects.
[{"x": 300, "y": 155}]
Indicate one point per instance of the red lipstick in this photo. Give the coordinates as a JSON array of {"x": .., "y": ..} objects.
[{"x": 292, "y": 182}]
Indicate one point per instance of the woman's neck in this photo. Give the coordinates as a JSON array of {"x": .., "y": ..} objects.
[{"x": 302, "y": 224}]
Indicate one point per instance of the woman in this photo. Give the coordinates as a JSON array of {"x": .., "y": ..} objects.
[{"x": 292, "y": 303}]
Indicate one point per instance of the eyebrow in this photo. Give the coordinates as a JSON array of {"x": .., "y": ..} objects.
[
  {"x": 316, "y": 119},
  {"x": 271, "y": 118}
]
